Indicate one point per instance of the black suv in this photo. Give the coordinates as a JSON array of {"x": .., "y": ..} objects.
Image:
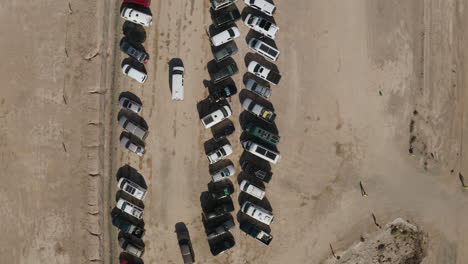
[
  {"x": 222, "y": 243},
  {"x": 226, "y": 16},
  {"x": 250, "y": 168},
  {"x": 222, "y": 93},
  {"x": 223, "y": 70},
  {"x": 220, "y": 189},
  {"x": 219, "y": 207},
  {"x": 255, "y": 232}
]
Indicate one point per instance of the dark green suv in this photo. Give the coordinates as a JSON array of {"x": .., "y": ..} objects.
[{"x": 222, "y": 71}]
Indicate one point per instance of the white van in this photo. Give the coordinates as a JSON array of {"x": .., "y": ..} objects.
[
  {"x": 136, "y": 17},
  {"x": 225, "y": 36},
  {"x": 257, "y": 212},
  {"x": 134, "y": 73},
  {"x": 251, "y": 189},
  {"x": 261, "y": 151},
  {"x": 178, "y": 83},
  {"x": 264, "y": 49},
  {"x": 133, "y": 128}
]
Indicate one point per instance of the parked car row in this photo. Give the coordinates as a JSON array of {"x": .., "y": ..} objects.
[
  {"x": 128, "y": 214},
  {"x": 137, "y": 12},
  {"x": 216, "y": 217},
  {"x": 261, "y": 141}
]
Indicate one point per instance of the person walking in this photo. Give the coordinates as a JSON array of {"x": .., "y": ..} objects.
[
  {"x": 375, "y": 221},
  {"x": 462, "y": 180},
  {"x": 363, "y": 192}
]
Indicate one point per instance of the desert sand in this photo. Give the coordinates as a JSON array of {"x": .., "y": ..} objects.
[{"x": 363, "y": 82}]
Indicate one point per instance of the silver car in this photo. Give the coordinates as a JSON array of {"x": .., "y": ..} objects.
[
  {"x": 132, "y": 146},
  {"x": 131, "y": 248},
  {"x": 130, "y": 104}
]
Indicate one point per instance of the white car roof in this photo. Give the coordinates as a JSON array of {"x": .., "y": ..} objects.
[
  {"x": 252, "y": 65},
  {"x": 134, "y": 73},
  {"x": 136, "y": 16},
  {"x": 223, "y": 36}
]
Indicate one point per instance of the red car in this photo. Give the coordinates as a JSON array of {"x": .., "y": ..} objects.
[{"x": 145, "y": 3}]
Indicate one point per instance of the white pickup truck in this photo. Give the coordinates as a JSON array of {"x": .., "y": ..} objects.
[{"x": 263, "y": 72}]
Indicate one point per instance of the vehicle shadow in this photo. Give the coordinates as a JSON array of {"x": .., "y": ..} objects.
[
  {"x": 243, "y": 197},
  {"x": 130, "y": 96},
  {"x": 134, "y": 63},
  {"x": 249, "y": 57},
  {"x": 246, "y": 118},
  {"x": 123, "y": 195},
  {"x": 132, "y": 138},
  {"x": 211, "y": 145},
  {"x": 117, "y": 212},
  {"x": 214, "y": 168},
  {"x": 226, "y": 183},
  {"x": 132, "y": 174},
  {"x": 244, "y": 93},
  {"x": 206, "y": 201},
  {"x": 135, "y": 32},
  {"x": 251, "y": 178},
  {"x": 137, "y": 45},
  {"x": 134, "y": 117},
  {"x": 254, "y": 34},
  {"x": 137, "y": 7},
  {"x": 249, "y": 75},
  {"x": 260, "y": 163},
  {"x": 219, "y": 128},
  {"x": 131, "y": 238},
  {"x": 174, "y": 62}
]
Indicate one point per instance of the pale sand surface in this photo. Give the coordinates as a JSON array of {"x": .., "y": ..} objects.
[{"x": 336, "y": 129}]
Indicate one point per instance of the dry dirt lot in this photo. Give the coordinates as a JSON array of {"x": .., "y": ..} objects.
[
  {"x": 50, "y": 133},
  {"x": 336, "y": 128},
  {"x": 363, "y": 81}
]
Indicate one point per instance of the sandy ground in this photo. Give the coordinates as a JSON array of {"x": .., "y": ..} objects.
[
  {"x": 336, "y": 129},
  {"x": 50, "y": 137}
]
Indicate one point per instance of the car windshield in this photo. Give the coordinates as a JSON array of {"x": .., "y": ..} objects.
[
  {"x": 208, "y": 120},
  {"x": 222, "y": 151},
  {"x": 126, "y": 103},
  {"x": 225, "y": 113},
  {"x": 267, "y": 25},
  {"x": 231, "y": 32},
  {"x": 256, "y": 67}
]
